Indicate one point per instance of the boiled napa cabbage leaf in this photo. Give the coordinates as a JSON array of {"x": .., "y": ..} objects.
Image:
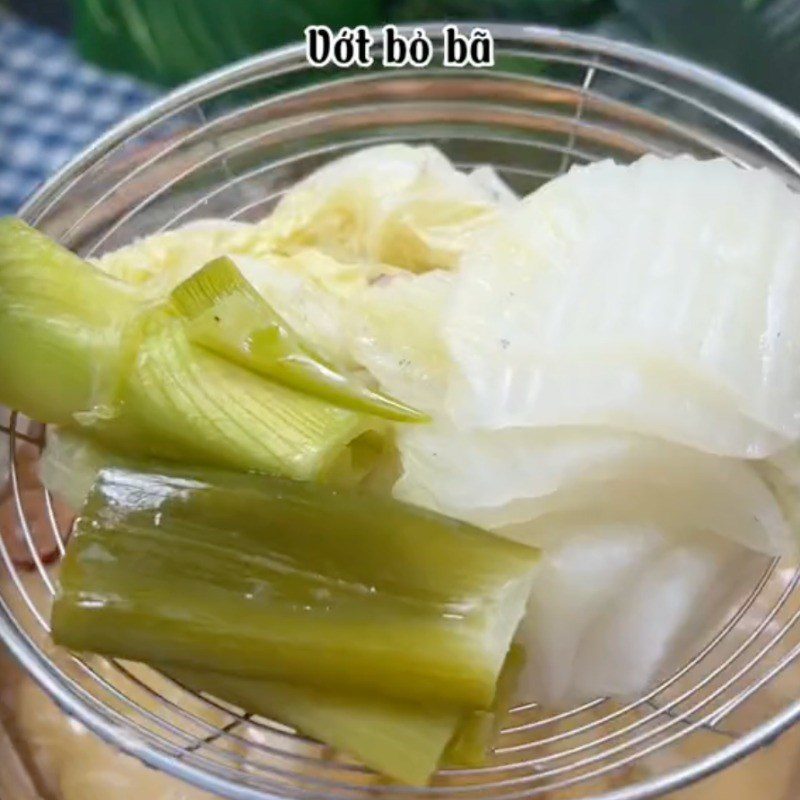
[
  {"x": 509, "y": 476},
  {"x": 616, "y": 606},
  {"x": 395, "y": 333},
  {"x": 656, "y": 297},
  {"x": 396, "y": 204},
  {"x": 159, "y": 262},
  {"x": 525, "y": 476},
  {"x": 647, "y": 544}
]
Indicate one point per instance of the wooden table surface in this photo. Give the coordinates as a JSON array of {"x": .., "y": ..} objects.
[{"x": 770, "y": 774}]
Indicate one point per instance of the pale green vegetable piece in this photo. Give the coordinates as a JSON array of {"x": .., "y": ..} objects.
[
  {"x": 182, "y": 402},
  {"x": 399, "y": 740},
  {"x": 403, "y": 741},
  {"x": 222, "y": 312},
  {"x": 477, "y": 731},
  {"x": 61, "y": 325},
  {"x": 157, "y": 263},
  {"x": 283, "y": 580},
  {"x": 82, "y": 349},
  {"x": 314, "y": 293}
]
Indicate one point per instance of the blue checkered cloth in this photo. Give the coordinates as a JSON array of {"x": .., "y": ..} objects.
[{"x": 52, "y": 105}]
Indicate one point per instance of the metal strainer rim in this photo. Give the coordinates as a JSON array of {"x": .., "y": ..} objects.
[{"x": 69, "y": 699}]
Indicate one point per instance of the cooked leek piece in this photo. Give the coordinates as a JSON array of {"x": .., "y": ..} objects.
[
  {"x": 228, "y": 316},
  {"x": 276, "y": 579},
  {"x": 70, "y": 463},
  {"x": 478, "y": 729},
  {"x": 60, "y": 325},
  {"x": 400, "y": 740},
  {"x": 473, "y": 737},
  {"x": 181, "y": 402},
  {"x": 79, "y": 348}
]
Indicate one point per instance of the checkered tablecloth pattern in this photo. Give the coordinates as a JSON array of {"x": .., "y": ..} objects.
[{"x": 52, "y": 104}]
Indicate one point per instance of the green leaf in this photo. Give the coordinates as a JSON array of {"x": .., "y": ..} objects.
[
  {"x": 756, "y": 41},
  {"x": 170, "y": 41},
  {"x": 562, "y": 12}
]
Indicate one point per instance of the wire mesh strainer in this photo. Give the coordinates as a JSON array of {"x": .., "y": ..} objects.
[{"x": 228, "y": 146}]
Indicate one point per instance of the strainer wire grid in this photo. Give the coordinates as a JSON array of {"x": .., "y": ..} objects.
[{"x": 577, "y": 746}]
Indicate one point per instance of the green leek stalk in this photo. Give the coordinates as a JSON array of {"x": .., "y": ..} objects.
[
  {"x": 225, "y": 314},
  {"x": 403, "y": 741},
  {"x": 61, "y": 325},
  {"x": 70, "y": 463},
  {"x": 280, "y": 580},
  {"x": 181, "y": 402},
  {"x": 478, "y": 729},
  {"x": 80, "y": 349},
  {"x": 400, "y": 740}
]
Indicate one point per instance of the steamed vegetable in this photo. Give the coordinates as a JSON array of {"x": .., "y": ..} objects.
[
  {"x": 463, "y": 344},
  {"x": 478, "y": 729},
  {"x": 404, "y": 741},
  {"x": 181, "y": 402},
  {"x": 226, "y": 315},
  {"x": 400, "y": 205},
  {"x": 657, "y": 297},
  {"x": 528, "y": 479},
  {"x": 82, "y": 349},
  {"x": 308, "y": 289},
  {"x": 61, "y": 326},
  {"x": 156, "y": 264},
  {"x": 503, "y": 477},
  {"x": 617, "y": 605},
  {"x": 314, "y": 293},
  {"x": 395, "y": 327},
  {"x": 605, "y": 365},
  {"x": 400, "y": 740},
  {"x": 274, "y": 579}
]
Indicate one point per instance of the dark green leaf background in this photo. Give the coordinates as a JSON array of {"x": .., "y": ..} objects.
[
  {"x": 169, "y": 41},
  {"x": 757, "y": 41}
]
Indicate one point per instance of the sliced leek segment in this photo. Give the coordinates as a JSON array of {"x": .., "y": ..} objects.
[
  {"x": 226, "y": 315},
  {"x": 478, "y": 729},
  {"x": 400, "y": 740},
  {"x": 81, "y": 349},
  {"x": 61, "y": 323},
  {"x": 181, "y": 402},
  {"x": 281, "y": 580}
]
